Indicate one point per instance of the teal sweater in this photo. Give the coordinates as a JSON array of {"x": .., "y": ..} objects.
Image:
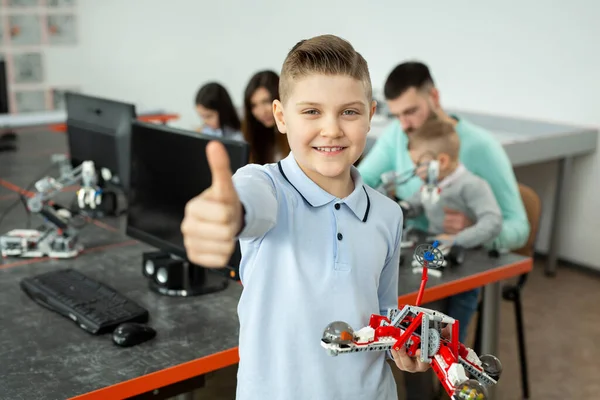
[{"x": 481, "y": 154}]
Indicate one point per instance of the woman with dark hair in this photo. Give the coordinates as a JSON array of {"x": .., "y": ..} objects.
[
  {"x": 216, "y": 109},
  {"x": 267, "y": 144}
]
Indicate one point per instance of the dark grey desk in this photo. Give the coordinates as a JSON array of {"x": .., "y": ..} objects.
[
  {"x": 529, "y": 142},
  {"x": 47, "y": 356}
]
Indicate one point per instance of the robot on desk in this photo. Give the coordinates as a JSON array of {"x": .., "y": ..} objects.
[
  {"x": 57, "y": 237},
  {"x": 418, "y": 328}
]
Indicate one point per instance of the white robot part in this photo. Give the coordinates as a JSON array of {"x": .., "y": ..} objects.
[
  {"x": 106, "y": 174},
  {"x": 365, "y": 335},
  {"x": 430, "y": 193},
  {"x": 457, "y": 374},
  {"x": 473, "y": 358},
  {"x": 430, "y": 272},
  {"x": 89, "y": 197},
  {"x": 88, "y": 173}
]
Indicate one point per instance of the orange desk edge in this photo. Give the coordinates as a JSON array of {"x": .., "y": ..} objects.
[
  {"x": 216, "y": 361},
  {"x": 163, "y": 118}
]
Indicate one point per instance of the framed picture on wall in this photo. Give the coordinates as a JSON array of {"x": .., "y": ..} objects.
[
  {"x": 60, "y": 3},
  {"x": 61, "y": 29},
  {"x": 30, "y": 101},
  {"x": 23, "y": 3},
  {"x": 28, "y": 67},
  {"x": 24, "y": 29}
]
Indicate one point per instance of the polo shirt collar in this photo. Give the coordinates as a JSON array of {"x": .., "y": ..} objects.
[{"x": 358, "y": 201}]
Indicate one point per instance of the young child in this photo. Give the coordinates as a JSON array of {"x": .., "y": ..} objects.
[
  {"x": 216, "y": 109},
  {"x": 456, "y": 188},
  {"x": 317, "y": 244}
]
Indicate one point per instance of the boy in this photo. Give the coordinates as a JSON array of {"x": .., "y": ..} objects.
[
  {"x": 318, "y": 245},
  {"x": 458, "y": 189},
  {"x": 454, "y": 187}
]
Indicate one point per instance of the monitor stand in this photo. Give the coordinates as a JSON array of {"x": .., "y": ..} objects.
[
  {"x": 114, "y": 197},
  {"x": 114, "y": 202},
  {"x": 171, "y": 275}
]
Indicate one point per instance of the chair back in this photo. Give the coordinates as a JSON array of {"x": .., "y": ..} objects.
[{"x": 533, "y": 208}]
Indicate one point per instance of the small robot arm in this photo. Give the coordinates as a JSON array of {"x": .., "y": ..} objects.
[
  {"x": 88, "y": 195},
  {"x": 58, "y": 238},
  {"x": 388, "y": 182},
  {"x": 391, "y": 179}
]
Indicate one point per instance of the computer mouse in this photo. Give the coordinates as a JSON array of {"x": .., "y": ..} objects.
[{"x": 131, "y": 333}]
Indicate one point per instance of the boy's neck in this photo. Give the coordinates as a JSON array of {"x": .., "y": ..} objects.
[{"x": 340, "y": 186}]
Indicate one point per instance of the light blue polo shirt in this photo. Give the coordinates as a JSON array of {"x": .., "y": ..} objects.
[{"x": 308, "y": 259}]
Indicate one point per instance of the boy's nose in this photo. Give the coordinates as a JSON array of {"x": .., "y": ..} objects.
[{"x": 331, "y": 129}]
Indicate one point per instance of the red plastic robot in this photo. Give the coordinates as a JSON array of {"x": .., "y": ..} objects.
[{"x": 461, "y": 372}]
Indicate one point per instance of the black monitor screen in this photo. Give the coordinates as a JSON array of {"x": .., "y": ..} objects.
[
  {"x": 168, "y": 168},
  {"x": 99, "y": 130},
  {"x": 93, "y": 144},
  {"x": 4, "y": 106}
]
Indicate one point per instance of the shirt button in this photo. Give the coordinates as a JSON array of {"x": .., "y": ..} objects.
[
  {"x": 339, "y": 236},
  {"x": 337, "y": 206}
]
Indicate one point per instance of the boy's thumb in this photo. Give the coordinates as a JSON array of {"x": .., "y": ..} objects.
[{"x": 222, "y": 184}]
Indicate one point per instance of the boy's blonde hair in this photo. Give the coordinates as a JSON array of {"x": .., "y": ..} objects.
[
  {"x": 325, "y": 54},
  {"x": 436, "y": 136}
]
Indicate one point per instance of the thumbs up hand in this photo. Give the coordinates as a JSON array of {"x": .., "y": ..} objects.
[{"x": 214, "y": 218}]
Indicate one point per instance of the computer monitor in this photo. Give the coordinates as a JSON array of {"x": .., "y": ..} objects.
[
  {"x": 99, "y": 130},
  {"x": 8, "y": 137},
  {"x": 4, "y": 102},
  {"x": 168, "y": 168}
]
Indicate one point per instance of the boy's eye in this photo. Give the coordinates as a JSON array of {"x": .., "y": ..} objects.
[
  {"x": 350, "y": 112},
  {"x": 310, "y": 112}
]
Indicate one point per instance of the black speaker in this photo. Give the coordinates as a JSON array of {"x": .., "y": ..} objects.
[
  {"x": 149, "y": 262},
  {"x": 172, "y": 276}
]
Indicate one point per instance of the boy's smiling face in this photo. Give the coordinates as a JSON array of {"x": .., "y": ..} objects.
[{"x": 326, "y": 118}]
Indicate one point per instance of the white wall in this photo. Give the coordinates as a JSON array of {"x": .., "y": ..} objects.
[{"x": 515, "y": 57}]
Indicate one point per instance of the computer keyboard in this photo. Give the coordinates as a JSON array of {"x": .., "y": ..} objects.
[{"x": 92, "y": 305}]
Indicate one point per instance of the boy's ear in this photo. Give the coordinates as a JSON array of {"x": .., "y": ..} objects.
[
  {"x": 279, "y": 117},
  {"x": 373, "y": 109},
  {"x": 444, "y": 160}
]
